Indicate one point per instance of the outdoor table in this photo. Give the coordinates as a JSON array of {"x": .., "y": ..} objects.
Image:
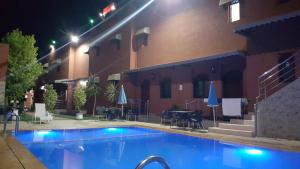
[{"x": 183, "y": 113}]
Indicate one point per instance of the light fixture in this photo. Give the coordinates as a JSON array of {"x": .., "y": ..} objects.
[
  {"x": 254, "y": 151},
  {"x": 53, "y": 42},
  {"x": 74, "y": 39},
  {"x": 91, "y": 21},
  {"x": 83, "y": 83},
  {"x": 52, "y": 47},
  {"x": 101, "y": 15},
  {"x": 112, "y": 7}
]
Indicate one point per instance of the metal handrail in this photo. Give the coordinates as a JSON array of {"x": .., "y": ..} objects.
[
  {"x": 276, "y": 66},
  {"x": 278, "y": 71},
  {"x": 151, "y": 159},
  {"x": 189, "y": 103},
  {"x": 267, "y": 81},
  {"x": 16, "y": 125}
]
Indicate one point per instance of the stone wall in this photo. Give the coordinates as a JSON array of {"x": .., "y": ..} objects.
[
  {"x": 2, "y": 92},
  {"x": 279, "y": 115},
  {"x": 4, "y": 51}
]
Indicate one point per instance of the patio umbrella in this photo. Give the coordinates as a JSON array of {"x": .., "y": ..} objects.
[
  {"x": 212, "y": 100},
  {"x": 122, "y": 98}
]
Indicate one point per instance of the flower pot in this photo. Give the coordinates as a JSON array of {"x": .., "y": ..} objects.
[{"x": 79, "y": 116}]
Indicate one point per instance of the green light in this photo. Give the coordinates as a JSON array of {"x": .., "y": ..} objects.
[
  {"x": 91, "y": 21},
  {"x": 53, "y": 42}
]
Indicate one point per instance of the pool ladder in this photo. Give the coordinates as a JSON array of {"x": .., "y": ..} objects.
[
  {"x": 151, "y": 159},
  {"x": 17, "y": 123}
]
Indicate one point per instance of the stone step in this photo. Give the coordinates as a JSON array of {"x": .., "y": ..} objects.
[
  {"x": 230, "y": 132},
  {"x": 249, "y": 117},
  {"x": 237, "y": 126},
  {"x": 240, "y": 121}
]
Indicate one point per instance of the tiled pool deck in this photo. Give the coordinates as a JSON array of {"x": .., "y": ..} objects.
[{"x": 14, "y": 156}]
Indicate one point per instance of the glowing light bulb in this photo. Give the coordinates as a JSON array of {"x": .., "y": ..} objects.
[{"x": 74, "y": 38}]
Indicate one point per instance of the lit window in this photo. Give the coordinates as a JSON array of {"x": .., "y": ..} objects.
[{"x": 234, "y": 11}]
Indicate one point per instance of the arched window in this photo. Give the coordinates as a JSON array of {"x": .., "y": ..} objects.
[
  {"x": 165, "y": 88},
  {"x": 201, "y": 87}
]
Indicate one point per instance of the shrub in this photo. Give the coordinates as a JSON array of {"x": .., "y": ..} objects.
[
  {"x": 50, "y": 98},
  {"x": 79, "y": 98}
]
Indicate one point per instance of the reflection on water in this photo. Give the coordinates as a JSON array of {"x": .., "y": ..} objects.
[{"x": 181, "y": 152}]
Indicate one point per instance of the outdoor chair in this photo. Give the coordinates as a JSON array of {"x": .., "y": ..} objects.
[
  {"x": 101, "y": 113},
  {"x": 114, "y": 113},
  {"x": 131, "y": 113},
  {"x": 41, "y": 113},
  {"x": 196, "y": 120},
  {"x": 180, "y": 119},
  {"x": 166, "y": 117}
]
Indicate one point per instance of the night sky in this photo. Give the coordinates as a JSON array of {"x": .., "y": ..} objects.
[{"x": 48, "y": 19}]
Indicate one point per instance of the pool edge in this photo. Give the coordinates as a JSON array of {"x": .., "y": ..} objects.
[{"x": 28, "y": 160}]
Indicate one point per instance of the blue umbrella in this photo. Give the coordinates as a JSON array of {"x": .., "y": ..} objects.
[
  {"x": 122, "y": 98},
  {"x": 212, "y": 100}
]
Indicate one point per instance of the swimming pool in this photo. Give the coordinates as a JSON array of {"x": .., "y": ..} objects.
[{"x": 125, "y": 147}]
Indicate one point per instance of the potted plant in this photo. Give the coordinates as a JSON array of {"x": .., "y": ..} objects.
[
  {"x": 50, "y": 98},
  {"x": 79, "y": 99}
]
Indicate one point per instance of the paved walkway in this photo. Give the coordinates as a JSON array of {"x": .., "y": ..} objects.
[{"x": 14, "y": 156}]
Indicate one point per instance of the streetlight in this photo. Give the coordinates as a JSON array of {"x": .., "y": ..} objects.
[
  {"x": 53, "y": 42},
  {"x": 74, "y": 38}
]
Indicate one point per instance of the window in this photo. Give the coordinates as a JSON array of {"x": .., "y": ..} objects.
[
  {"x": 165, "y": 88},
  {"x": 200, "y": 88},
  {"x": 234, "y": 11}
]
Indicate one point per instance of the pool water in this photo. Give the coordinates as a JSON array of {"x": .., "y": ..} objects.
[{"x": 124, "y": 148}]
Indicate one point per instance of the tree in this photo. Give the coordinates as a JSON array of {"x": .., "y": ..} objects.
[
  {"x": 79, "y": 98},
  {"x": 111, "y": 92},
  {"x": 23, "y": 66},
  {"x": 92, "y": 89},
  {"x": 50, "y": 98}
]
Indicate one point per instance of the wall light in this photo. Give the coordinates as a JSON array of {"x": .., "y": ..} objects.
[
  {"x": 83, "y": 83},
  {"x": 112, "y": 7},
  {"x": 52, "y": 47},
  {"x": 74, "y": 39}
]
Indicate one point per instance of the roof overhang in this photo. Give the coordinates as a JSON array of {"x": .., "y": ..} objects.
[
  {"x": 290, "y": 18},
  {"x": 225, "y": 2},
  {"x": 186, "y": 62},
  {"x": 115, "y": 77},
  {"x": 66, "y": 81}
]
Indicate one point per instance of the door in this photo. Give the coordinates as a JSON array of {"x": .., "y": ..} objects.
[
  {"x": 145, "y": 95},
  {"x": 233, "y": 84}
]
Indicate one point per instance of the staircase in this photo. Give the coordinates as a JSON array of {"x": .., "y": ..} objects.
[
  {"x": 60, "y": 104},
  {"x": 238, "y": 127},
  {"x": 277, "y": 105}
]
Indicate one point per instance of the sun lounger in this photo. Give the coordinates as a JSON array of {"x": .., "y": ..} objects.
[{"x": 41, "y": 113}]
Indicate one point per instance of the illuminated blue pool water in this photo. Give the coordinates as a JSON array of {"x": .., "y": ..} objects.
[{"x": 124, "y": 148}]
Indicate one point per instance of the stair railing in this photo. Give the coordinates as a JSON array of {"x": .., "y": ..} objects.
[
  {"x": 278, "y": 76},
  {"x": 189, "y": 103}
]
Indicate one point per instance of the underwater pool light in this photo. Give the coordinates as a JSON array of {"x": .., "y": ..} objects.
[
  {"x": 112, "y": 129},
  {"x": 43, "y": 132},
  {"x": 254, "y": 152}
]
